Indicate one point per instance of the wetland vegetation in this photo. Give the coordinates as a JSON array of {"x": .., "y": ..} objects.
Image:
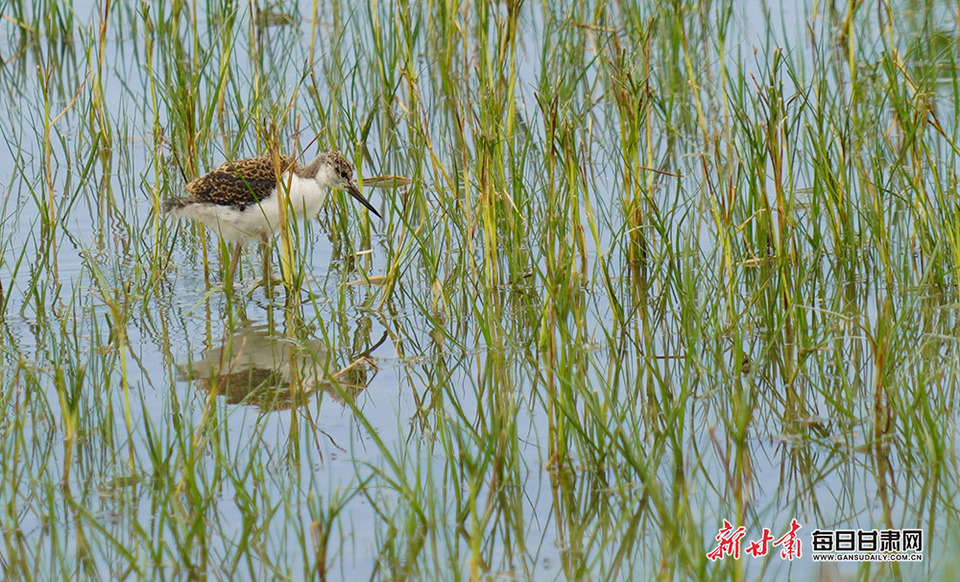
[{"x": 654, "y": 265}]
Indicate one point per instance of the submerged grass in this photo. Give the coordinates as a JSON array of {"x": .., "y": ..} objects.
[{"x": 658, "y": 265}]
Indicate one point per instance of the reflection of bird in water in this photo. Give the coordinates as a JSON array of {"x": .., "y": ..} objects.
[{"x": 256, "y": 367}]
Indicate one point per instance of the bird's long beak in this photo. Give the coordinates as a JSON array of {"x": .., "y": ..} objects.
[{"x": 355, "y": 192}]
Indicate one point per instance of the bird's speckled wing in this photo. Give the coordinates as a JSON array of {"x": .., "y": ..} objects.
[{"x": 240, "y": 183}]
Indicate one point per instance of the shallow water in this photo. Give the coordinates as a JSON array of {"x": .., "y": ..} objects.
[{"x": 114, "y": 331}]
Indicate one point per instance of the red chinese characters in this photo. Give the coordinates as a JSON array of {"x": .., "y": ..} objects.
[
  {"x": 790, "y": 542},
  {"x": 730, "y": 539},
  {"x": 729, "y": 545}
]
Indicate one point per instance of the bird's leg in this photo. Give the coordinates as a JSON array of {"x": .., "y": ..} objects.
[
  {"x": 268, "y": 281},
  {"x": 234, "y": 261},
  {"x": 265, "y": 249}
]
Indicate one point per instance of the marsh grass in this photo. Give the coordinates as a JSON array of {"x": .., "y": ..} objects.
[{"x": 657, "y": 265}]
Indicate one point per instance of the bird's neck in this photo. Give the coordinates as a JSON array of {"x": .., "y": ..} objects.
[
  {"x": 311, "y": 169},
  {"x": 305, "y": 195}
]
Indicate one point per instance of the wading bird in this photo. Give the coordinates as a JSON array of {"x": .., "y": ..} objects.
[{"x": 239, "y": 200}]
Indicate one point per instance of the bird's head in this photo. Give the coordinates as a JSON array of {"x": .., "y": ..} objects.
[{"x": 336, "y": 172}]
